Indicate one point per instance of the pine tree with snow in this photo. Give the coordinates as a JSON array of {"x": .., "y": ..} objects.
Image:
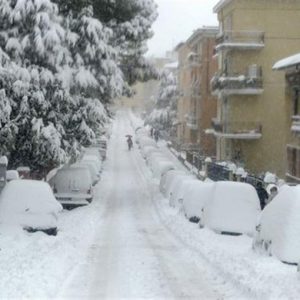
[
  {"x": 130, "y": 23},
  {"x": 97, "y": 74},
  {"x": 163, "y": 115}
]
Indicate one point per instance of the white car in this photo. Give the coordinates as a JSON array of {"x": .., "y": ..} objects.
[
  {"x": 233, "y": 208},
  {"x": 94, "y": 159},
  {"x": 278, "y": 230},
  {"x": 72, "y": 186},
  {"x": 93, "y": 169},
  {"x": 12, "y": 175},
  {"x": 179, "y": 187},
  {"x": 31, "y": 205},
  {"x": 195, "y": 196},
  {"x": 166, "y": 178}
]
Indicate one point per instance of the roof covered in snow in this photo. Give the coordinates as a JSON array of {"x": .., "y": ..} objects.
[{"x": 287, "y": 62}]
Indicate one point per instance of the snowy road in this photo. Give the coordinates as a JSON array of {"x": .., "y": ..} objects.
[
  {"x": 134, "y": 255},
  {"x": 130, "y": 244}
]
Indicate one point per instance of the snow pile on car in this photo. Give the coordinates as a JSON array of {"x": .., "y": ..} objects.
[
  {"x": 279, "y": 229},
  {"x": 29, "y": 203},
  {"x": 195, "y": 197},
  {"x": 234, "y": 208}
]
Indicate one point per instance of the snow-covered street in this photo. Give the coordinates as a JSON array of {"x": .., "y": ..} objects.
[
  {"x": 130, "y": 244},
  {"x": 134, "y": 255}
]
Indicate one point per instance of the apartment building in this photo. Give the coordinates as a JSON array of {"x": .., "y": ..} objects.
[
  {"x": 291, "y": 66},
  {"x": 253, "y": 115},
  {"x": 196, "y": 105}
]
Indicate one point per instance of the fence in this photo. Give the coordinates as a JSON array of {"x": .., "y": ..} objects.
[{"x": 218, "y": 172}]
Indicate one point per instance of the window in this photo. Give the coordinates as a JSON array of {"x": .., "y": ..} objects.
[{"x": 296, "y": 101}]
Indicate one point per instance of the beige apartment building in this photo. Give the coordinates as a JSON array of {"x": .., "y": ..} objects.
[
  {"x": 253, "y": 116},
  {"x": 291, "y": 66},
  {"x": 196, "y": 106}
]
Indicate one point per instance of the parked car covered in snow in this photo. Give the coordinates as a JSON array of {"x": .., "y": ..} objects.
[
  {"x": 233, "y": 208},
  {"x": 278, "y": 231},
  {"x": 161, "y": 166},
  {"x": 101, "y": 144},
  {"x": 94, "y": 160},
  {"x": 12, "y": 175},
  {"x": 194, "y": 198},
  {"x": 31, "y": 205},
  {"x": 93, "y": 151},
  {"x": 92, "y": 167},
  {"x": 72, "y": 186},
  {"x": 173, "y": 186},
  {"x": 147, "y": 150},
  {"x": 166, "y": 177},
  {"x": 179, "y": 188}
]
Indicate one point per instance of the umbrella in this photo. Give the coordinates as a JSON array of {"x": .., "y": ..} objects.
[{"x": 128, "y": 135}]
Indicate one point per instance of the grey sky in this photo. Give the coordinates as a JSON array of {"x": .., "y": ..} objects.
[{"x": 176, "y": 21}]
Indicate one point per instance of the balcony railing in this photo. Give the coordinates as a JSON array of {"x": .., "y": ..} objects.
[
  {"x": 237, "y": 85},
  {"x": 246, "y": 40},
  {"x": 237, "y": 130},
  {"x": 191, "y": 121},
  {"x": 296, "y": 124},
  {"x": 193, "y": 60}
]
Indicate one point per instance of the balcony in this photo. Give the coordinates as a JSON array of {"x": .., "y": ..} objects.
[
  {"x": 237, "y": 130},
  {"x": 193, "y": 60},
  {"x": 191, "y": 121},
  {"x": 296, "y": 124},
  {"x": 241, "y": 40},
  {"x": 236, "y": 85}
]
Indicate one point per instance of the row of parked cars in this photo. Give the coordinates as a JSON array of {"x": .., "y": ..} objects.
[
  {"x": 35, "y": 205},
  {"x": 230, "y": 207}
]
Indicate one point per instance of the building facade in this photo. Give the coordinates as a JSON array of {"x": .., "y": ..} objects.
[
  {"x": 253, "y": 114},
  {"x": 291, "y": 66},
  {"x": 196, "y": 105}
]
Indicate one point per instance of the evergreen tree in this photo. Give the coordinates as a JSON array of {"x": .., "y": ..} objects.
[
  {"x": 163, "y": 115},
  {"x": 130, "y": 22}
]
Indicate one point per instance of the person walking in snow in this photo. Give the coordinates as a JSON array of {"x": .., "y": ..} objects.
[
  {"x": 151, "y": 132},
  {"x": 129, "y": 142},
  {"x": 262, "y": 194},
  {"x": 156, "y": 135}
]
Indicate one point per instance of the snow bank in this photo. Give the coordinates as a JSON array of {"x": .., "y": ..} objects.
[
  {"x": 29, "y": 203},
  {"x": 279, "y": 232},
  {"x": 234, "y": 208}
]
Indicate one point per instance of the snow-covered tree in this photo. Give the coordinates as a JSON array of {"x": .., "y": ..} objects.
[
  {"x": 39, "y": 96},
  {"x": 163, "y": 115},
  {"x": 97, "y": 74},
  {"x": 130, "y": 23}
]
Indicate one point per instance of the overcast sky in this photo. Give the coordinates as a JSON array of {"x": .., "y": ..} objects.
[{"x": 176, "y": 21}]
